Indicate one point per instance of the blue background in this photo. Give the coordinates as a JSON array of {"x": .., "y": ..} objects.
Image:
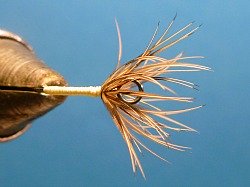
[{"x": 77, "y": 144}]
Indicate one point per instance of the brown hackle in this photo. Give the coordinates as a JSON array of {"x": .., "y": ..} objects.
[{"x": 132, "y": 108}]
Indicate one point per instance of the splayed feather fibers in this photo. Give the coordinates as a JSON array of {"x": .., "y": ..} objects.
[
  {"x": 138, "y": 118},
  {"x": 130, "y": 106}
]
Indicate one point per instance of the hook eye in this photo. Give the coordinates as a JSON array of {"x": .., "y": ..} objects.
[{"x": 132, "y": 100}]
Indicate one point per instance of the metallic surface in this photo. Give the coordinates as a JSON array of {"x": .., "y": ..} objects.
[
  {"x": 136, "y": 99},
  {"x": 19, "y": 67}
]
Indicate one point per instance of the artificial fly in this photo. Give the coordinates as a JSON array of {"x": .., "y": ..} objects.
[
  {"x": 132, "y": 110},
  {"x": 131, "y": 107}
]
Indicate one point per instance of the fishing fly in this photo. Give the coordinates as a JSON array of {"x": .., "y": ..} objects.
[{"x": 133, "y": 108}]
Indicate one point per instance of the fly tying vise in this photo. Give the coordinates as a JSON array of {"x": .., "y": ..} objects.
[{"x": 29, "y": 89}]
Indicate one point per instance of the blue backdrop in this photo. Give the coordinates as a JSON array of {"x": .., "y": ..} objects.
[{"x": 77, "y": 144}]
